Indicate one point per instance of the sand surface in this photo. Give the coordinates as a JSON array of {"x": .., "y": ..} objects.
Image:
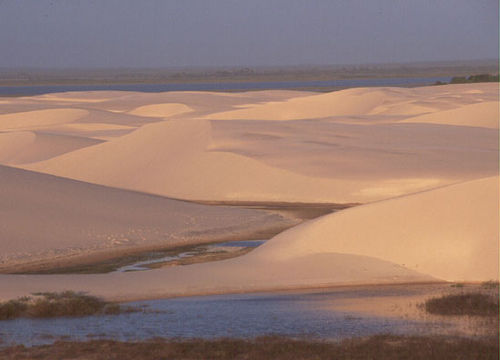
[
  {"x": 424, "y": 161},
  {"x": 356, "y": 145},
  {"x": 46, "y": 218},
  {"x": 450, "y": 233},
  {"x": 452, "y": 242}
]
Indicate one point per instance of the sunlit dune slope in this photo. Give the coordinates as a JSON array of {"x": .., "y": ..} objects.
[
  {"x": 365, "y": 101},
  {"x": 161, "y": 110},
  {"x": 22, "y": 147},
  {"x": 450, "y": 233},
  {"x": 39, "y": 118},
  {"x": 484, "y": 114},
  {"x": 355, "y": 145},
  {"x": 170, "y": 158}
]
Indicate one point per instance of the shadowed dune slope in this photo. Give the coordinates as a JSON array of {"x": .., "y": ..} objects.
[{"x": 43, "y": 217}]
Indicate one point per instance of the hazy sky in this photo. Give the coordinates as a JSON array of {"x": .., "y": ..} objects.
[{"x": 162, "y": 33}]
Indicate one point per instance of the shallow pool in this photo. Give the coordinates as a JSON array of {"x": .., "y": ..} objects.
[{"x": 304, "y": 314}]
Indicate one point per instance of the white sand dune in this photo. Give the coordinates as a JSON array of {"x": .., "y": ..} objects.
[
  {"x": 451, "y": 233},
  {"x": 345, "y": 102},
  {"x": 48, "y": 218},
  {"x": 356, "y": 145},
  {"x": 484, "y": 114},
  {"x": 360, "y": 101},
  {"x": 161, "y": 110},
  {"x": 179, "y": 164},
  {"x": 387, "y": 155},
  {"x": 81, "y": 96},
  {"x": 88, "y": 127},
  {"x": 39, "y": 118},
  {"x": 22, "y": 147},
  {"x": 332, "y": 159},
  {"x": 169, "y": 158}
]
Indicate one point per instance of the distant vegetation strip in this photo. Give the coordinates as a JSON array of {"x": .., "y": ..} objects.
[
  {"x": 471, "y": 79},
  {"x": 27, "y": 76}
]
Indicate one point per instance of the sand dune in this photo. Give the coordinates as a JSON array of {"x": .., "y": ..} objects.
[
  {"x": 335, "y": 159},
  {"x": 360, "y": 101},
  {"x": 234, "y": 275},
  {"x": 161, "y": 110},
  {"x": 22, "y": 147},
  {"x": 345, "y": 102},
  {"x": 46, "y": 218},
  {"x": 387, "y": 155},
  {"x": 39, "y": 118},
  {"x": 177, "y": 165},
  {"x": 451, "y": 233},
  {"x": 359, "y": 145},
  {"x": 485, "y": 114}
]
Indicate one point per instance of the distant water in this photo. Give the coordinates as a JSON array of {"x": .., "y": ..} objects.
[
  {"x": 143, "y": 265},
  {"x": 299, "y": 314},
  {"x": 223, "y": 86}
]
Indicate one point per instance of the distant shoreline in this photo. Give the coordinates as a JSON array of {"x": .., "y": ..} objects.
[
  {"x": 229, "y": 86},
  {"x": 231, "y": 74}
]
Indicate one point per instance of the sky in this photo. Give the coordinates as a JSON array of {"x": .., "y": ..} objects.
[{"x": 197, "y": 33}]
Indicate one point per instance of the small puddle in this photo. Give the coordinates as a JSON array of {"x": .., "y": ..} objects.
[{"x": 197, "y": 254}]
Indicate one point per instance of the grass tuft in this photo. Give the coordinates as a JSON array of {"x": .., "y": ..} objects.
[{"x": 67, "y": 303}]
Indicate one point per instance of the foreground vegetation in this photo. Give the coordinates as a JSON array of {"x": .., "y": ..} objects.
[
  {"x": 472, "y": 304},
  {"x": 47, "y": 305},
  {"x": 376, "y": 347}
]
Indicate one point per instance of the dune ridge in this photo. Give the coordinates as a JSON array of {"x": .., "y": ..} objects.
[
  {"x": 450, "y": 233},
  {"x": 39, "y": 118}
]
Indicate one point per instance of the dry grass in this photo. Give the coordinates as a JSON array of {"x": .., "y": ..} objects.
[
  {"x": 378, "y": 347},
  {"x": 472, "y": 304},
  {"x": 68, "y": 303}
]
